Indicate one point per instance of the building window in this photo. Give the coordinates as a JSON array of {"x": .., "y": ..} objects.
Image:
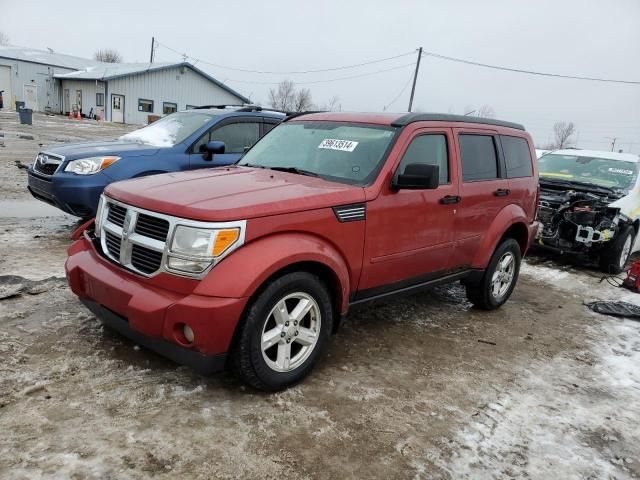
[
  {"x": 99, "y": 99},
  {"x": 168, "y": 107},
  {"x": 145, "y": 105}
]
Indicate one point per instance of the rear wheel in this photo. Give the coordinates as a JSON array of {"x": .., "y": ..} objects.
[
  {"x": 614, "y": 257},
  {"x": 284, "y": 332},
  {"x": 499, "y": 279}
]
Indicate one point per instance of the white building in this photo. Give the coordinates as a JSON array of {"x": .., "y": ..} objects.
[{"x": 118, "y": 92}]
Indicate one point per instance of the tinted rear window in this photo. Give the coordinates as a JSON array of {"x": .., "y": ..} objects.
[
  {"x": 479, "y": 160},
  {"x": 517, "y": 156}
]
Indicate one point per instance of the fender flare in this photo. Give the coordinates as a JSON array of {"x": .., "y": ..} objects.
[
  {"x": 245, "y": 270},
  {"x": 506, "y": 218}
]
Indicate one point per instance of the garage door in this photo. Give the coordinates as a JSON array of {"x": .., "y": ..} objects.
[{"x": 5, "y": 84}]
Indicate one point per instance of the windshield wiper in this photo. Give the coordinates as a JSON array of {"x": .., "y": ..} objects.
[{"x": 296, "y": 170}]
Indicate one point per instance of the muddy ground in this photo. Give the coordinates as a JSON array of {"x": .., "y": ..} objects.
[{"x": 420, "y": 387}]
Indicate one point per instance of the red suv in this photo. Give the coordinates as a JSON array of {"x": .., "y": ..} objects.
[{"x": 253, "y": 265}]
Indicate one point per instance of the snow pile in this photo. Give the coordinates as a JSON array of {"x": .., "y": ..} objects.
[{"x": 160, "y": 134}]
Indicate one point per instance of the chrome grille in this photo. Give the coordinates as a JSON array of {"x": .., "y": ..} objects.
[
  {"x": 153, "y": 227},
  {"x": 145, "y": 259},
  {"x": 113, "y": 244},
  {"x": 116, "y": 214},
  {"x": 46, "y": 163},
  {"x": 134, "y": 239}
]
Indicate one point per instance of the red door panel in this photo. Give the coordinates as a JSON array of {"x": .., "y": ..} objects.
[
  {"x": 410, "y": 233},
  {"x": 482, "y": 197}
]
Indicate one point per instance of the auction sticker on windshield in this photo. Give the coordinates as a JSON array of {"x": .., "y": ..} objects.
[
  {"x": 621, "y": 170},
  {"x": 342, "y": 145}
]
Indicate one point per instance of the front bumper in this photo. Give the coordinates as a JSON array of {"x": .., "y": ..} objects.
[
  {"x": 152, "y": 311},
  {"x": 74, "y": 194}
]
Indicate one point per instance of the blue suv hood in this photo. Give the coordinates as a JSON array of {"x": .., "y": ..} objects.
[{"x": 110, "y": 147}]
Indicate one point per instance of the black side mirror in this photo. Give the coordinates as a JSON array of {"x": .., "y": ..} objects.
[
  {"x": 212, "y": 148},
  {"x": 417, "y": 176}
]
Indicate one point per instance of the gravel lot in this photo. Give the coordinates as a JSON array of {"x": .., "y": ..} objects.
[{"x": 420, "y": 387}]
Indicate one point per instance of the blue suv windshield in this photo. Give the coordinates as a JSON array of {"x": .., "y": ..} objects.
[{"x": 169, "y": 130}]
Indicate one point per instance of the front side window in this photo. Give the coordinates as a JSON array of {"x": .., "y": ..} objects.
[
  {"x": 479, "y": 159},
  {"x": 170, "y": 130},
  {"x": 603, "y": 172},
  {"x": 343, "y": 152},
  {"x": 237, "y": 137},
  {"x": 517, "y": 156},
  {"x": 99, "y": 99},
  {"x": 430, "y": 149},
  {"x": 169, "y": 107},
  {"x": 145, "y": 105}
]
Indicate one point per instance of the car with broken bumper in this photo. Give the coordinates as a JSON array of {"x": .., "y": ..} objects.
[
  {"x": 252, "y": 266},
  {"x": 589, "y": 205}
]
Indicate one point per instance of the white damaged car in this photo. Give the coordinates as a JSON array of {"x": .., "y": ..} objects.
[{"x": 589, "y": 204}]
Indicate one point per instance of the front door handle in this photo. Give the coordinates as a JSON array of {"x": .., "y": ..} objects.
[
  {"x": 449, "y": 199},
  {"x": 502, "y": 192}
]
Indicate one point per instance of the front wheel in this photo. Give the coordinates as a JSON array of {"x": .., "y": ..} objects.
[
  {"x": 614, "y": 257},
  {"x": 499, "y": 279},
  {"x": 284, "y": 332}
]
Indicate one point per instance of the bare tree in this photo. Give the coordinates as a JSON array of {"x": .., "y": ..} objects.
[
  {"x": 333, "y": 105},
  {"x": 563, "y": 132},
  {"x": 486, "y": 111},
  {"x": 108, "y": 55},
  {"x": 287, "y": 98},
  {"x": 4, "y": 39}
]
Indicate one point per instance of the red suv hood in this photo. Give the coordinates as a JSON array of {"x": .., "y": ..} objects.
[{"x": 232, "y": 193}]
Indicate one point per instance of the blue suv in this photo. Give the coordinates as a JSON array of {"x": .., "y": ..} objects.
[{"x": 72, "y": 176}]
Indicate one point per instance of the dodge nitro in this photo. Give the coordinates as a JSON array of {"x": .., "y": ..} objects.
[{"x": 252, "y": 266}]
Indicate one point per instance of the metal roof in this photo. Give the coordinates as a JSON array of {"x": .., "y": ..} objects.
[
  {"x": 46, "y": 58},
  {"x": 110, "y": 71}
]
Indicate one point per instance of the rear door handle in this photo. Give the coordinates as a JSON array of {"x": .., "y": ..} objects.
[
  {"x": 502, "y": 192},
  {"x": 449, "y": 199}
]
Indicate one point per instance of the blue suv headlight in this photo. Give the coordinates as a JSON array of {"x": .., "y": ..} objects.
[{"x": 89, "y": 166}]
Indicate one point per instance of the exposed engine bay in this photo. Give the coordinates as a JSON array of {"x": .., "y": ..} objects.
[{"x": 577, "y": 221}]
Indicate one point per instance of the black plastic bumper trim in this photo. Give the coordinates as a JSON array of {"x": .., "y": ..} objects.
[{"x": 200, "y": 362}]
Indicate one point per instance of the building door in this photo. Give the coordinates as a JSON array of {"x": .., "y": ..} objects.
[
  {"x": 117, "y": 108},
  {"x": 66, "y": 107},
  {"x": 79, "y": 100},
  {"x": 5, "y": 84},
  {"x": 30, "y": 96}
]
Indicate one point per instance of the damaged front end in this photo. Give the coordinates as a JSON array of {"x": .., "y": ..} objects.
[{"x": 579, "y": 222}]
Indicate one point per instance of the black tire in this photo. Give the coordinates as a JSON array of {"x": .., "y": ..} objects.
[
  {"x": 246, "y": 356},
  {"x": 480, "y": 293},
  {"x": 610, "y": 258}
]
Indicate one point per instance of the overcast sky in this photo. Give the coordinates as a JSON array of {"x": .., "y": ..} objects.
[{"x": 575, "y": 37}]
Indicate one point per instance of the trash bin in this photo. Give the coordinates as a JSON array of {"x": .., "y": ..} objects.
[
  {"x": 26, "y": 116},
  {"x": 19, "y": 105}
]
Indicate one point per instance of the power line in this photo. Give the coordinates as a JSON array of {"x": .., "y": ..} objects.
[
  {"x": 399, "y": 94},
  {"x": 327, "y": 80},
  {"x": 529, "y": 72},
  {"x": 292, "y": 72}
]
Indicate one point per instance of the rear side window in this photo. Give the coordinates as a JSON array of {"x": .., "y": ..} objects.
[
  {"x": 430, "y": 149},
  {"x": 517, "y": 156},
  {"x": 479, "y": 159}
]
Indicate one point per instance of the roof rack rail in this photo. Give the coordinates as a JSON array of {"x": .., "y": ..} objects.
[
  {"x": 291, "y": 115},
  {"x": 258, "y": 108},
  {"x": 203, "y": 107},
  {"x": 443, "y": 117}
]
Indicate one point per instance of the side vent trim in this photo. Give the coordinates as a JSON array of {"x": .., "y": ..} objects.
[{"x": 351, "y": 213}]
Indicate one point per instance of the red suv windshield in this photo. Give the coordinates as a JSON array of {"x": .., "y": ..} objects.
[{"x": 343, "y": 152}]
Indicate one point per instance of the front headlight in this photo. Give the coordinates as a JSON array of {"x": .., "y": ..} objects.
[
  {"x": 194, "y": 249},
  {"x": 89, "y": 166}
]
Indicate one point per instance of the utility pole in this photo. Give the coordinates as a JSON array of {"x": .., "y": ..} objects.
[
  {"x": 153, "y": 41},
  {"x": 415, "y": 77}
]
